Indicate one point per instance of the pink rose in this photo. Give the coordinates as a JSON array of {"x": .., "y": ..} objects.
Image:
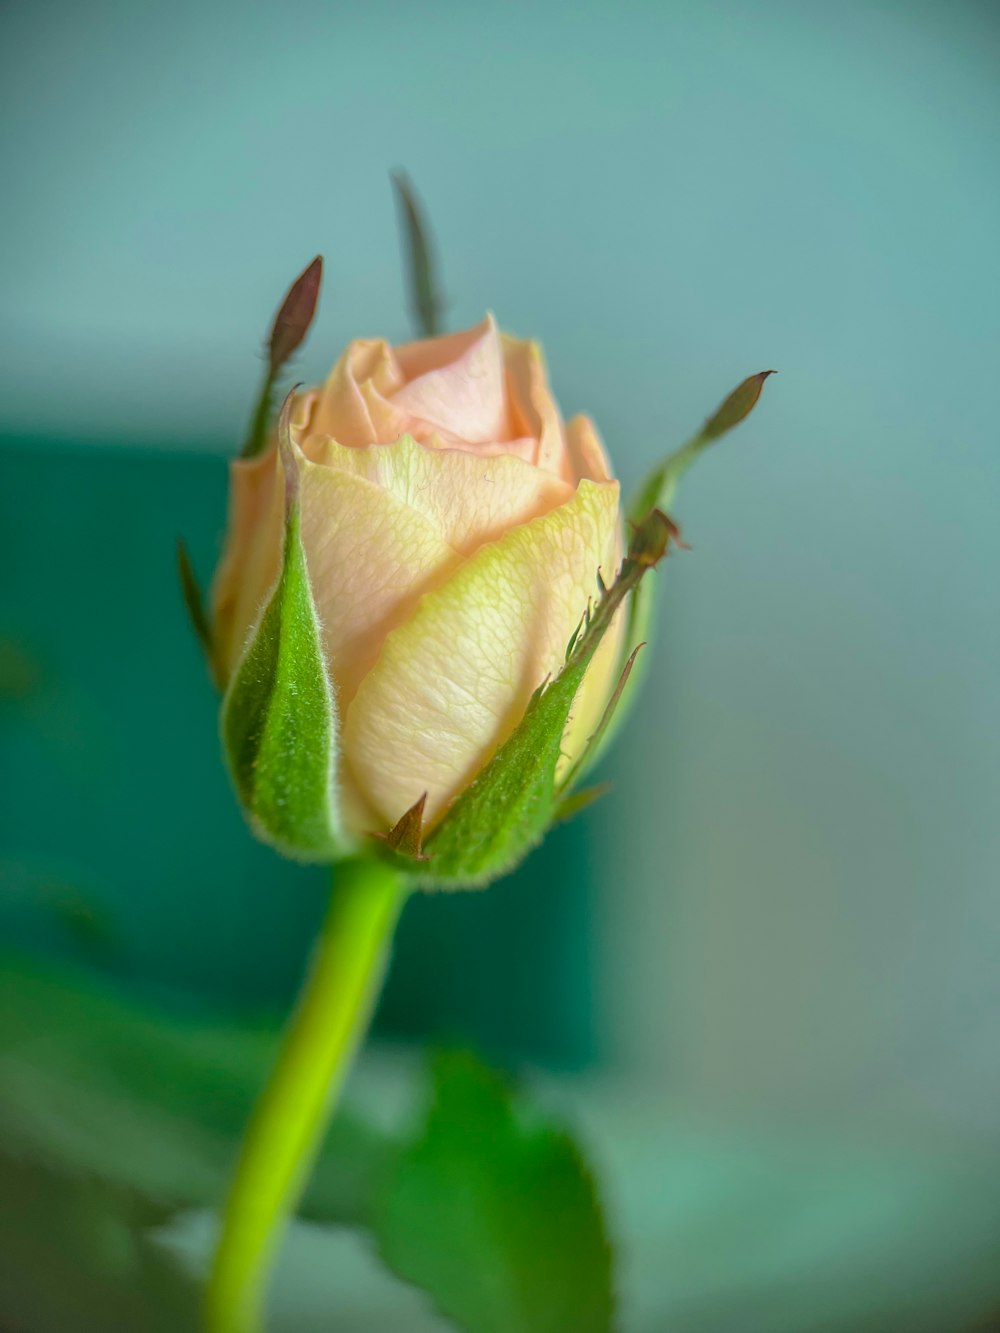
[{"x": 453, "y": 529}]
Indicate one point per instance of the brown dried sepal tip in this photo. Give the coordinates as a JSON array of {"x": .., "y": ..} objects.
[
  {"x": 406, "y": 836},
  {"x": 291, "y": 323},
  {"x": 650, "y": 538}
]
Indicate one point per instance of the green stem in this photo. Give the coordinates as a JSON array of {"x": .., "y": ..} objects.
[
  {"x": 256, "y": 438},
  {"x": 330, "y": 1019}
]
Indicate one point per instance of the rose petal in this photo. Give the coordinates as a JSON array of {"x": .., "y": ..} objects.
[
  {"x": 464, "y": 397},
  {"x": 533, "y": 410},
  {"x": 342, "y": 411},
  {"x": 370, "y": 558},
  {"x": 426, "y": 354},
  {"x": 453, "y": 680},
  {"x": 251, "y": 559},
  {"x": 585, "y": 450},
  {"x": 469, "y": 499},
  {"x": 391, "y": 424}
]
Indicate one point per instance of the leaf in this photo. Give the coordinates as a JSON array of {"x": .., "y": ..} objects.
[
  {"x": 422, "y": 278},
  {"x": 94, "y": 1084},
  {"x": 193, "y": 600},
  {"x": 279, "y": 723},
  {"x": 506, "y": 809},
  {"x": 76, "y": 1254},
  {"x": 660, "y": 485},
  {"x": 495, "y": 1215},
  {"x": 120, "y": 1113},
  {"x": 291, "y": 324}
]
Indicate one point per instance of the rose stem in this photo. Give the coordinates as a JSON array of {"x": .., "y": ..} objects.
[{"x": 331, "y": 1016}]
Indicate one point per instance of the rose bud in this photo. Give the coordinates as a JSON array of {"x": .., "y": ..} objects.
[
  {"x": 453, "y": 531},
  {"x": 424, "y": 620}
]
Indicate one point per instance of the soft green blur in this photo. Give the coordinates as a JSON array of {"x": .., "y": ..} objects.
[{"x": 785, "y": 913}]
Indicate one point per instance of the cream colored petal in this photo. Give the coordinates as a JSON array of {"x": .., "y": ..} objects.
[
  {"x": 522, "y": 448},
  {"x": 466, "y": 396},
  {"x": 389, "y": 421},
  {"x": 355, "y": 810},
  {"x": 469, "y": 499},
  {"x": 370, "y": 558},
  {"x": 585, "y": 450},
  {"x": 453, "y": 680},
  {"x": 251, "y": 559},
  {"x": 341, "y": 411},
  {"x": 533, "y": 410}
]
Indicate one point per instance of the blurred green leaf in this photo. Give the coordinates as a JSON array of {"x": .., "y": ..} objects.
[
  {"x": 194, "y": 603},
  {"x": 425, "y": 299},
  {"x": 117, "y": 1116},
  {"x": 495, "y": 1215},
  {"x": 20, "y": 671},
  {"x": 93, "y": 1084},
  {"x": 76, "y": 1255}
]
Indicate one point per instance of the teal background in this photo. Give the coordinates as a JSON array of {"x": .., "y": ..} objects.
[
  {"x": 796, "y": 873},
  {"x": 786, "y": 912},
  {"x": 121, "y": 837}
]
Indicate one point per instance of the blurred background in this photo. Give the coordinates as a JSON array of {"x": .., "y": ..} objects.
[{"x": 761, "y": 974}]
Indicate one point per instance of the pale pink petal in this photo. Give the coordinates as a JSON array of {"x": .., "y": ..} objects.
[
  {"x": 426, "y": 354},
  {"x": 533, "y": 410},
  {"x": 342, "y": 411},
  {"x": 585, "y": 450},
  {"x": 391, "y": 423},
  {"x": 466, "y": 397}
]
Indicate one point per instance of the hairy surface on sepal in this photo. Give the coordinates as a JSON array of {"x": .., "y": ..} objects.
[{"x": 279, "y": 722}]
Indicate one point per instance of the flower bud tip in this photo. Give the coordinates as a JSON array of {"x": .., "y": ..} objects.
[{"x": 291, "y": 323}]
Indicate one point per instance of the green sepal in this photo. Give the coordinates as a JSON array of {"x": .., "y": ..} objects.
[
  {"x": 507, "y": 808},
  {"x": 194, "y": 602},
  {"x": 575, "y": 802},
  {"x": 639, "y": 631},
  {"x": 659, "y": 489},
  {"x": 660, "y": 486},
  {"x": 288, "y": 332},
  {"x": 421, "y": 270},
  {"x": 279, "y": 721}
]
